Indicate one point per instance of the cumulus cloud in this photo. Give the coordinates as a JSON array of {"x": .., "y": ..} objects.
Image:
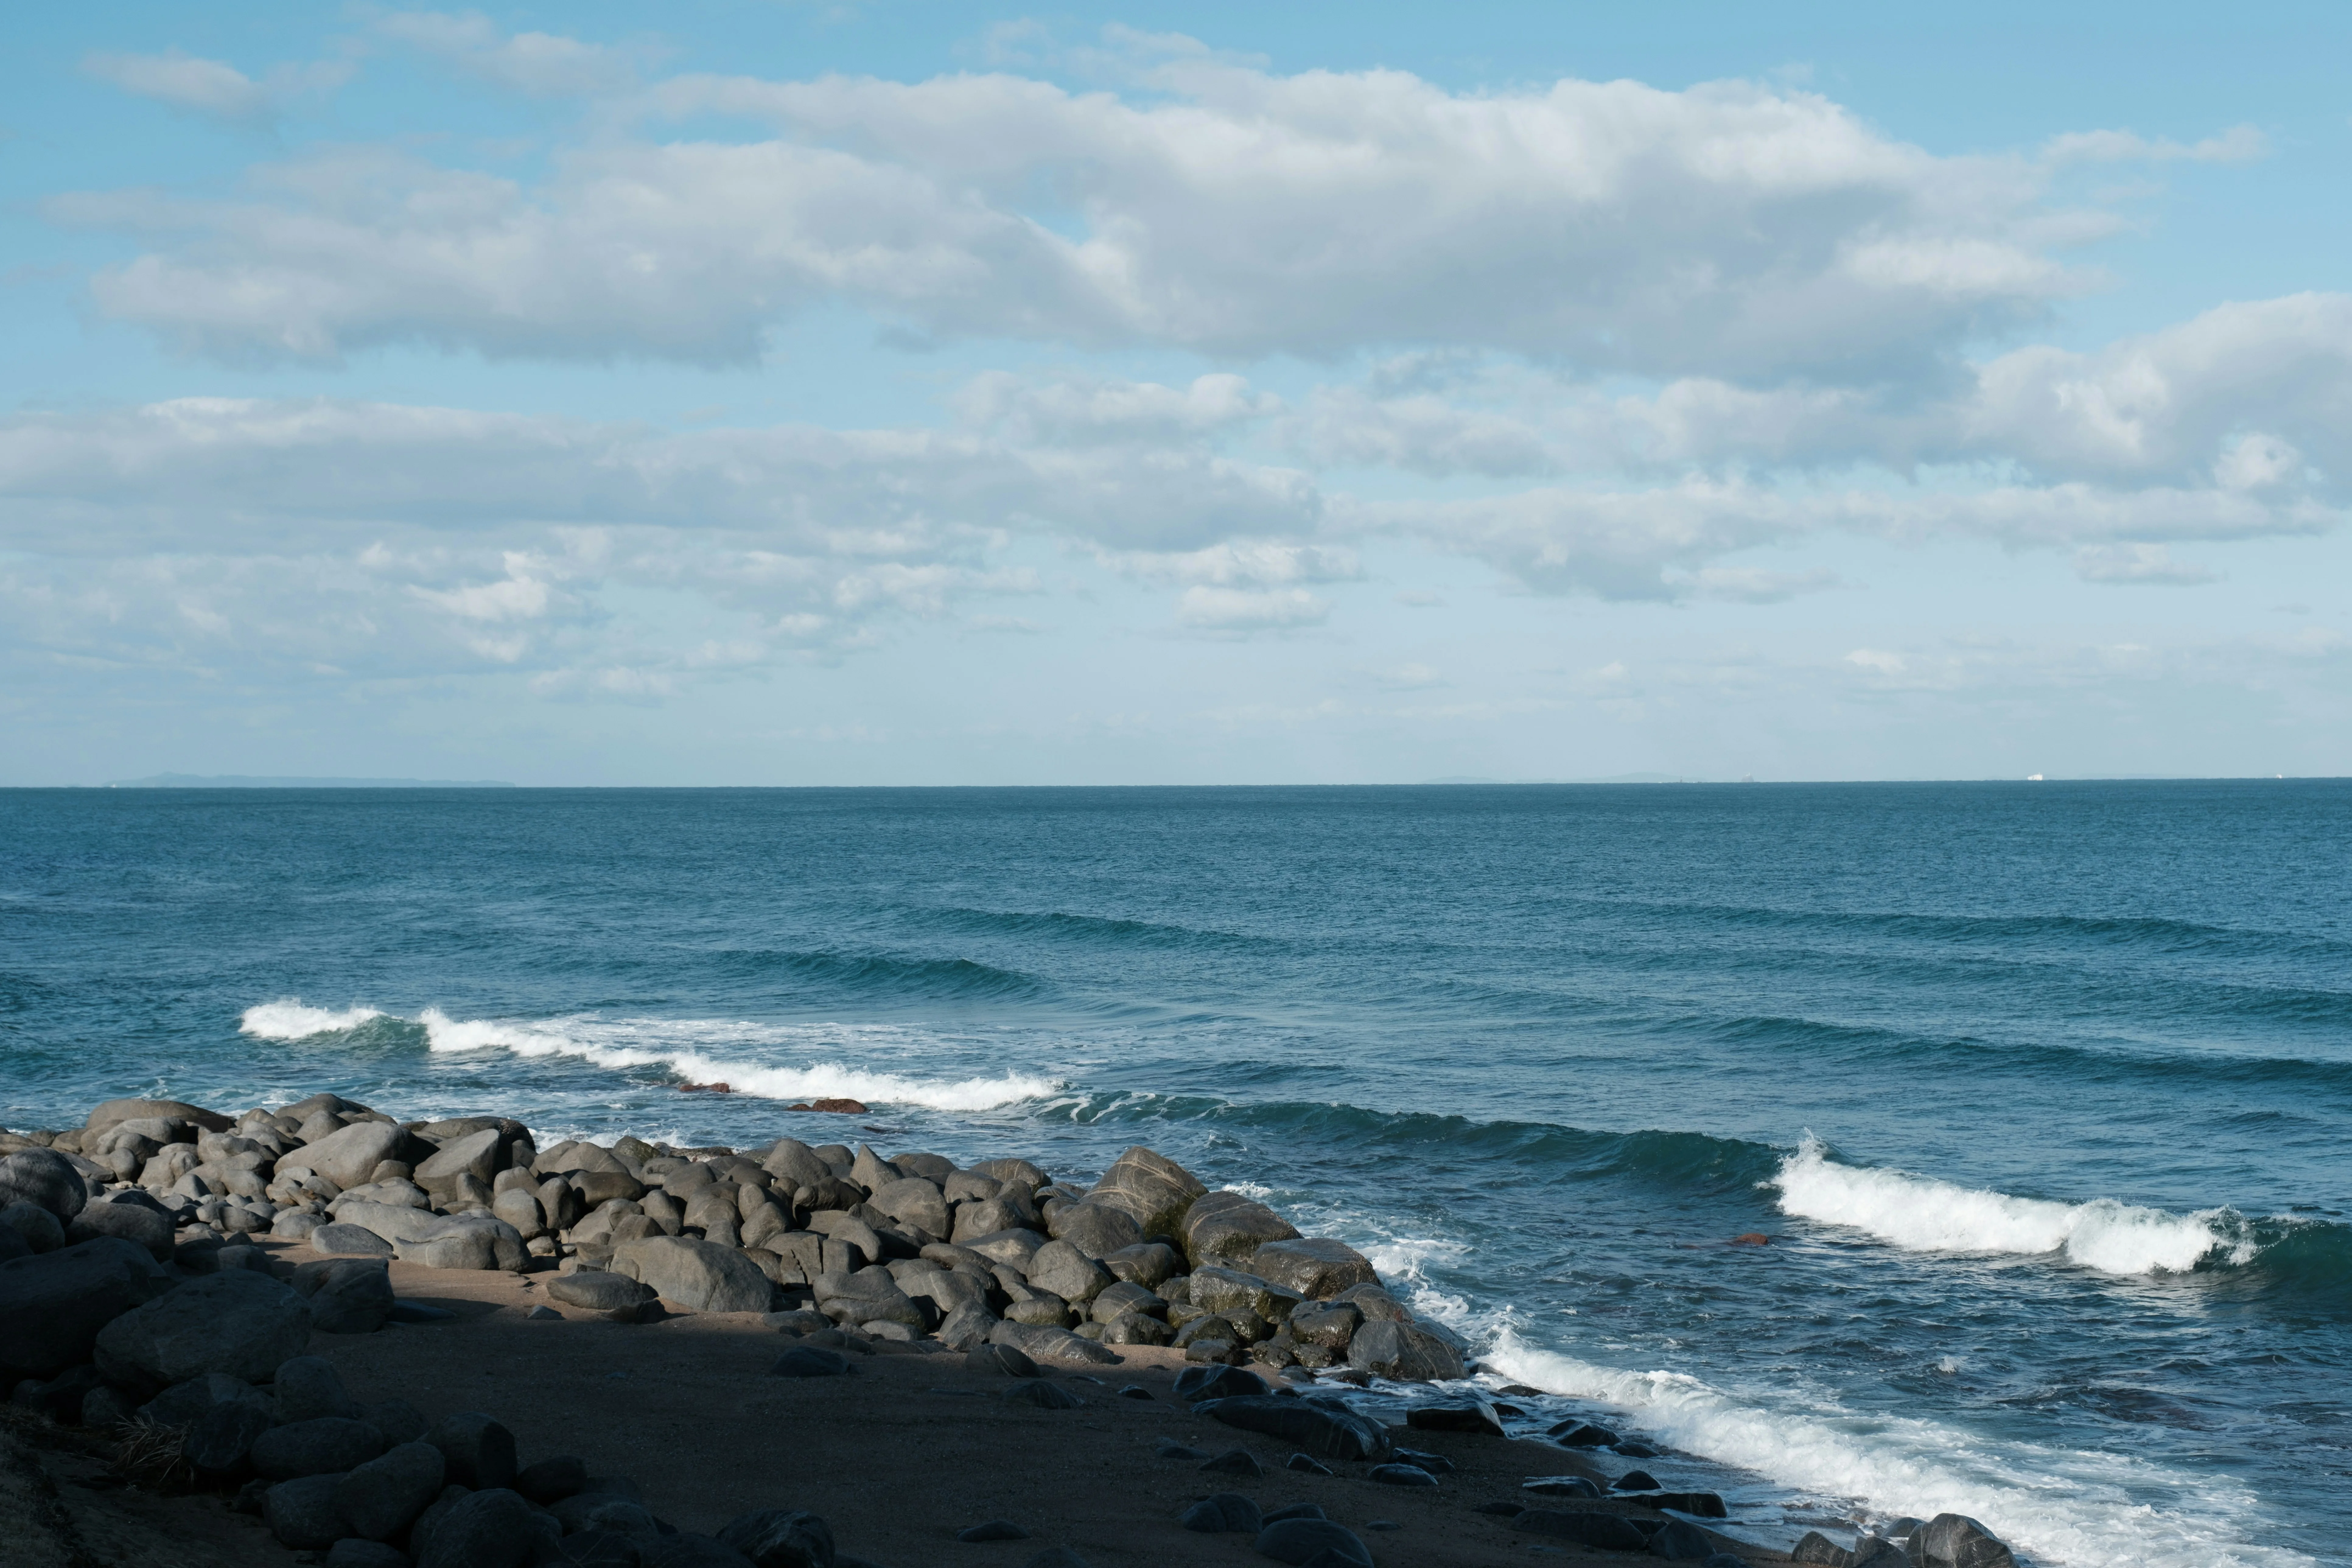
[
  {"x": 1730, "y": 229},
  {"x": 542, "y": 65},
  {"x": 1250, "y": 610},
  {"x": 214, "y": 89}
]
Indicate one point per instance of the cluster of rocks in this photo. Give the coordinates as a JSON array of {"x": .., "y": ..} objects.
[{"x": 903, "y": 1247}]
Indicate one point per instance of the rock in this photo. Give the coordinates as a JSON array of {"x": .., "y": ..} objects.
[
  {"x": 1299, "y": 1541},
  {"x": 1199, "y": 1382},
  {"x": 519, "y": 1206},
  {"x": 45, "y": 1179},
  {"x": 810, "y": 1361},
  {"x": 1235, "y": 1462},
  {"x": 1326, "y": 1429},
  {"x": 475, "y": 1154},
  {"x": 871, "y": 1170},
  {"x": 1311, "y": 1466},
  {"x": 1095, "y": 1230},
  {"x": 1877, "y": 1552},
  {"x": 1706, "y": 1505},
  {"x": 114, "y": 1111},
  {"x": 219, "y": 1445},
  {"x": 1040, "y": 1308},
  {"x": 1318, "y": 1270},
  {"x": 1052, "y": 1344},
  {"x": 139, "y": 1220},
  {"x": 1134, "y": 1329},
  {"x": 912, "y": 1200},
  {"x": 381, "y": 1499},
  {"x": 1560, "y": 1486},
  {"x": 1150, "y": 1264},
  {"x": 553, "y": 1480},
  {"x": 1228, "y": 1228},
  {"x": 398, "y": 1420},
  {"x": 994, "y": 1529},
  {"x": 353, "y": 1551},
  {"x": 1000, "y": 1359},
  {"x": 1609, "y": 1532},
  {"x": 1329, "y": 1327},
  {"x": 347, "y": 1295},
  {"x": 1229, "y": 1292},
  {"x": 338, "y": 1239},
  {"x": 294, "y": 1225},
  {"x": 1679, "y": 1542},
  {"x": 1401, "y": 1476},
  {"x": 239, "y": 1322},
  {"x": 780, "y": 1538},
  {"x": 349, "y": 1156},
  {"x": 1373, "y": 1303},
  {"x": 598, "y": 1292},
  {"x": 479, "y": 1453},
  {"x": 1956, "y": 1541},
  {"x": 1226, "y": 1514},
  {"x": 491, "y": 1528},
  {"x": 54, "y": 1306},
  {"x": 1405, "y": 1351},
  {"x": 475, "y": 1239},
  {"x": 1013, "y": 1248},
  {"x": 1817, "y": 1548},
  {"x": 1635, "y": 1481},
  {"x": 1573, "y": 1434},
  {"x": 302, "y": 1513},
  {"x": 1150, "y": 1189},
  {"x": 700, "y": 1276},
  {"x": 307, "y": 1388},
  {"x": 1045, "y": 1395},
  {"x": 327, "y": 1445},
  {"x": 102, "y": 1408},
  {"x": 585, "y": 1511},
  {"x": 1059, "y": 1266}
]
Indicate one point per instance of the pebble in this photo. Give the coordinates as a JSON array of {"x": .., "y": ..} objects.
[{"x": 1403, "y": 1476}]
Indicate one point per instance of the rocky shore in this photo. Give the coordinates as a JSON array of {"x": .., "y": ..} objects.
[{"x": 185, "y": 1285}]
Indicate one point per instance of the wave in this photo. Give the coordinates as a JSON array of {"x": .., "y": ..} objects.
[
  {"x": 290, "y": 1020},
  {"x": 2080, "y": 1506},
  {"x": 1920, "y": 1214}
]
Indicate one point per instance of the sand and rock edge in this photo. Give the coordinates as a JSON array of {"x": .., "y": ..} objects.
[{"x": 150, "y": 1290}]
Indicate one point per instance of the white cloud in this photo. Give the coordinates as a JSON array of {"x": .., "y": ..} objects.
[
  {"x": 543, "y": 65},
  {"x": 2239, "y": 144},
  {"x": 2137, "y": 564},
  {"x": 1757, "y": 586},
  {"x": 1250, "y": 610},
  {"x": 214, "y": 89},
  {"x": 1730, "y": 229}
]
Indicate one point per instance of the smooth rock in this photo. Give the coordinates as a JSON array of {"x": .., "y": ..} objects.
[
  {"x": 339, "y": 1239},
  {"x": 780, "y": 1538},
  {"x": 306, "y": 1387},
  {"x": 219, "y": 1445},
  {"x": 1152, "y": 1189},
  {"x": 491, "y": 1528},
  {"x": 302, "y": 1513},
  {"x": 1609, "y": 1532},
  {"x": 1680, "y": 1542},
  {"x": 913, "y": 1200},
  {"x": 381, "y": 1498},
  {"x": 1405, "y": 1351},
  {"x": 1197, "y": 1382},
  {"x": 1401, "y": 1476},
  {"x": 994, "y": 1529},
  {"x": 1001, "y": 1358},
  {"x": 1331, "y": 1431},
  {"x": 1059, "y": 1268},
  {"x": 700, "y": 1276},
  {"x": 1317, "y": 1268},
  {"x": 1298, "y": 1541},
  {"x": 239, "y": 1322},
  {"x": 1226, "y": 1228},
  {"x": 113, "y": 1111},
  {"x": 1635, "y": 1481},
  {"x": 1816, "y": 1548},
  {"x": 550, "y": 1480},
  {"x": 1095, "y": 1230},
  {"x": 143, "y": 1224},
  {"x": 329, "y": 1445},
  {"x": 1956, "y": 1541},
  {"x": 810, "y": 1361},
  {"x": 54, "y": 1306},
  {"x": 1310, "y": 1464},
  {"x": 479, "y": 1451},
  {"x": 1226, "y": 1514},
  {"x": 347, "y": 1295},
  {"x": 1560, "y": 1486},
  {"x": 598, "y": 1291},
  {"x": 1045, "y": 1395},
  {"x": 1235, "y": 1462},
  {"x": 1150, "y": 1264},
  {"x": 45, "y": 1179},
  {"x": 349, "y": 1157}
]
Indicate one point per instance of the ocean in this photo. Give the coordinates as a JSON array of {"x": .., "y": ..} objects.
[{"x": 2041, "y": 1090}]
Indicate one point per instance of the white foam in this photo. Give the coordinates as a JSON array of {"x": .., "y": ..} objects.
[
  {"x": 641, "y": 1042},
  {"x": 290, "y": 1020},
  {"x": 1919, "y": 1213},
  {"x": 2081, "y": 1508}
]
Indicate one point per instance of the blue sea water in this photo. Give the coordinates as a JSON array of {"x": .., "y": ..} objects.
[{"x": 2041, "y": 1090}]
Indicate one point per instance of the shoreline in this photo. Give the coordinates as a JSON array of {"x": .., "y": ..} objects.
[{"x": 447, "y": 1258}]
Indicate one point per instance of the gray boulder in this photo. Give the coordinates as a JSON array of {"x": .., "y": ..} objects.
[
  {"x": 810, "y": 1361},
  {"x": 1331, "y": 1327},
  {"x": 381, "y": 1498},
  {"x": 347, "y": 1295},
  {"x": 327, "y": 1446},
  {"x": 46, "y": 1179},
  {"x": 1227, "y": 1292},
  {"x": 1315, "y": 1269},
  {"x": 1150, "y": 1264},
  {"x": 597, "y": 1291},
  {"x": 112, "y": 1111},
  {"x": 1152, "y": 1189},
  {"x": 700, "y": 1276},
  {"x": 550, "y": 1480},
  {"x": 1299, "y": 1541},
  {"x": 184, "y": 1404},
  {"x": 1225, "y": 1513},
  {"x": 349, "y": 1156},
  {"x": 302, "y": 1513},
  {"x": 1228, "y": 1228},
  {"x": 36, "y": 1226},
  {"x": 1095, "y": 1230},
  {"x": 341, "y": 1240},
  {"x": 1609, "y": 1532},
  {"x": 1013, "y": 1248},
  {"x": 476, "y": 1154},
  {"x": 794, "y": 1165},
  {"x": 912, "y": 1200},
  {"x": 1406, "y": 1352},
  {"x": 479, "y": 1453},
  {"x": 871, "y": 1170},
  {"x": 294, "y": 1225},
  {"x": 309, "y": 1387},
  {"x": 967, "y": 1326},
  {"x": 134, "y": 1217},
  {"x": 1060, "y": 1267},
  {"x": 519, "y": 1207},
  {"x": 1374, "y": 1303},
  {"x": 780, "y": 1538},
  {"x": 1819, "y": 1548},
  {"x": 1312, "y": 1425},
  {"x": 487, "y": 1527},
  {"x": 1956, "y": 1541},
  {"x": 1681, "y": 1541},
  {"x": 219, "y": 1445},
  {"x": 476, "y": 1239},
  {"x": 54, "y": 1306},
  {"x": 237, "y": 1322}
]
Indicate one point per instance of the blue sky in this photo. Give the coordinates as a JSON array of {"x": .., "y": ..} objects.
[{"x": 895, "y": 393}]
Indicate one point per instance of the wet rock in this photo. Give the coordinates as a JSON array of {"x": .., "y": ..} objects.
[
  {"x": 54, "y": 1306},
  {"x": 302, "y": 1513},
  {"x": 1560, "y": 1486},
  {"x": 1199, "y": 1382},
  {"x": 1469, "y": 1415},
  {"x": 1235, "y": 1462},
  {"x": 700, "y": 1276},
  {"x": 1817, "y": 1548},
  {"x": 1315, "y": 1269},
  {"x": 1228, "y": 1228},
  {"x": 598, "y": 1291},
  {"x": 1150, "y": 1189},
  {"x": 491, "y": 1528},
  {"x": 1300, "y": 1541},
  {"x": 239, "y": 1322},
  {"x": 478, "y": 1452},
  {"x": 112, "y": 1112},
  {"x": 1229, "y": 1292},
  {"x": 1956, "y": 1541},
  {"x": 1635, "y": 1481},
  {"x": 810, "y": 1361},
  {"x": 1134, "y": 1329},
  {"x": 1575, "y": 1434},
  {"x": 1227, "y": 1514},
  {"x": 994, "y": 1529},
  {"x": 1609, "y": 1532},
  {"x": 1405, "y": 1351},
  {"x": 1329, "y": 1430},
  {"x": 1678, "y": 1542},
  {"x": 1374, "y": 1304},
  {"x": 780, "y": 1538},
  {"x": 1435, "y": 1464},
  {"x": 1150, "y": 1264},
  {"x": 1095, "y": 1230},
  {"x": 1877, "y": 1551},
  {"x": 1706, "y": 1505},
  {"x": 381, "y": 1499}
]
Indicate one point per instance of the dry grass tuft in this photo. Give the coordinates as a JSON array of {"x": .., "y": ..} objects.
[{"x": 149, "y": 1456}]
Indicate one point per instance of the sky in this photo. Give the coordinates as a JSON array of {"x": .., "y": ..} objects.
[{"x": 921, "y": 394}]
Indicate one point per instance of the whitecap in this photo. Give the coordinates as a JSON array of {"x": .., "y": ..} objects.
[
  {"x": 1920, "y": 1214},
  {"x": 288, "y": 1019}
]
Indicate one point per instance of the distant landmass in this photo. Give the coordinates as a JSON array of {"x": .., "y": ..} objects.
[{"x": 242, "y": 781}]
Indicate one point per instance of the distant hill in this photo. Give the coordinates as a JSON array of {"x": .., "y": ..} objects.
[{"x": 240, "y": 781}]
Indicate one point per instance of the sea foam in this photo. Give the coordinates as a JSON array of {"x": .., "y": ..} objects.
[
  {"x": 1920, "y": 1214},
  {"x": 290, "y": 1020}
]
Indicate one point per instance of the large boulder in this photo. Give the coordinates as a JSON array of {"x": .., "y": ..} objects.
[
  {"x": 323, "y": 1445},
  {"x": 780, "y": 1538},
  {"x": 1956, "y": 1541},
  {"x": 1315, "y": 1426},
  {"x": 912, "y": 1200},
  {"x": 599, "y": 1291},
  {"x": 133, "y": 1216},
  {"x": 1013, "y": 1248},
  {"x": 479, "y": 1451},
  {"x": 46, "y": 1179},
  {"x": 487, "y": 1529},
  {"x": 54, "y": 1306},
  {"x": 1302, "y": 1539},
  {"x": 1152, "y": 1189},
  {"x": 475, "y": 1239},
  {"x": 349, "y": 1156},
  {"x": 114, "y": 1110},
  {"x": 794, "y": 1165},
  {"x": 1228, "y": 1228},
  {"x": 347, "y": 1295},
  {"x": 1406, "y": 1352},
  {"x": 1097, "y": 1231},
  {"x": 1229, "y": 1290},
  {"x": 302, "y": 1513},
  {"x": 1062, "y": 1268},
  {"x": 700, "y": 1276},
  {"x": 381, "y": 1498},
  {"x": 1318, "y": 1270},
  {"x": 237, "y": 1322},
  {"x": 476, "y": 1154}
]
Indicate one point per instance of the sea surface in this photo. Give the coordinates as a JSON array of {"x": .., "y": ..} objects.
[{"x": 2042, "y": 1091}]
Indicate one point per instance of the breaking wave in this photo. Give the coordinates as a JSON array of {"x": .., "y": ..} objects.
[{"x": 290, "y": 1020}]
